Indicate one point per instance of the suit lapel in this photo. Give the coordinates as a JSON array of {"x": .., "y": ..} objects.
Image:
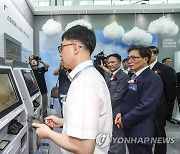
[{"x": 116, "y": 76}]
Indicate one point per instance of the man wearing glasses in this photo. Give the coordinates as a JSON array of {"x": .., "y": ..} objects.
[
  {"x": 137, "y": 115},
  {"x": 87, "y": 122}
]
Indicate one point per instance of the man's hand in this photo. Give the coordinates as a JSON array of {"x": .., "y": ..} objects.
[
  {"x": 118, "y": 121},
  {"x": 54, "y": 122},
  {"x": 42, "y": 130}
]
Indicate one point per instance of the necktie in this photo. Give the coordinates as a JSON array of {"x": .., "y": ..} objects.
[
  {"x": 111, "y": 75},
  {"x": 133, "y": 76}
]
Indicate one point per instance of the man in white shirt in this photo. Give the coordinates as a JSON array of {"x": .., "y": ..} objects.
[{"x": 87, "y": 122}]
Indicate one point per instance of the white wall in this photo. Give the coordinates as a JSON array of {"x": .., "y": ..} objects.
[
  {"x": 177, "y": 61},
  {"x": 14, "y": 24}
]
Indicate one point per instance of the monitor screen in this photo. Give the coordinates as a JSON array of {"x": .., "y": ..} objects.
[
  {"x": 12, "y": 48},
  {"x": 30, "y": 81},
  {"x": 9, "y": 95}
]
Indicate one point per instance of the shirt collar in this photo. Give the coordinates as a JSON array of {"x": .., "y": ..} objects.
[
  {"x": 152, "y": 65},
  {"x": 141, "y": 70},
  {"x": 115, "y": 71},
  {"x": 78, "y": 68}
]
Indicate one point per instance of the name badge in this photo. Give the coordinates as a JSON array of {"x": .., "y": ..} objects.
[
  {"x": 133, "y": 87},
  {"x": 114, "y": 82}
]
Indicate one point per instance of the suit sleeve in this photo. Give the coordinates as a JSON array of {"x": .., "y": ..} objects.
[
  {"x": 169, "y": 81},
  {"x": 150, "y": 93},
  {"x": 118, "y": 95}
]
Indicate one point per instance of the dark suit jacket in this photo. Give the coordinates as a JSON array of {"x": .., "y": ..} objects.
[
  {"x": 117, "y": 89},
  {"x": 138, "y": 106},
  {"x": 165, "y": 106}
]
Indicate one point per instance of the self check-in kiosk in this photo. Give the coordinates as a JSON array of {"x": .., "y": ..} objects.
[
  {"x": 32, "y": 97},
  {"x": 14, "y": 135}
]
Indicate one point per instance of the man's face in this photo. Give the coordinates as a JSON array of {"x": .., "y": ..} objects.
[
  {"x": 33, "y": 63},
  {"x": 125, "y": 64},
  {"x": 113, "y": 64},
  {"x": 168, "y": 62},
  {"x": 66, "y": 53},
  {"x": 153, "y": 58},
  {"x": 135, "y": 61}
]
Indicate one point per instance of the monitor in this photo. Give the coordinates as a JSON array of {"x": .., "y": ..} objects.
[
  {"x": 30, "y": 81},
  {"x": 12, "y": 48},
  {"x": 9, "y": 95}
]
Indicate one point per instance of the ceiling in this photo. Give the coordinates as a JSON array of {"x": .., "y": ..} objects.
[{"x": 47, "y": 7}]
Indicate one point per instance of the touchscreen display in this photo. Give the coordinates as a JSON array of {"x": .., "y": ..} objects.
[
  {"x": 7, "y": 94},
  {"x": 29, "y": 82}
]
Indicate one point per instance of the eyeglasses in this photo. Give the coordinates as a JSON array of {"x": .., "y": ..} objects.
[
  {"x": 133, "y": 58},
  {"x": 62, "y": 46}
]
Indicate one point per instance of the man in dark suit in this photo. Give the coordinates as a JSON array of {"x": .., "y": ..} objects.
[
  {"x": 137, "y": 115},
  {"x": 116, "y": 82},
  {"x": 165, "y": 106}
]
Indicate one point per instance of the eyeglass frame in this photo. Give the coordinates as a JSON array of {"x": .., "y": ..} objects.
[
  {"x": 60, "y": 47},
  {"x": 133, "y": 58}
]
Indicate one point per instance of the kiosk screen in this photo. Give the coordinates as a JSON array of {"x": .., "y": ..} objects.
[
  {"x": 9, "y": 94},
  {"x": 30, "y": 82}
]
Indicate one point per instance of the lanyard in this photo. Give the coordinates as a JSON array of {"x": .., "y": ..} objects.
[
  {"x": 65, "y": 96},
  {"x": 82, "y": 70}
]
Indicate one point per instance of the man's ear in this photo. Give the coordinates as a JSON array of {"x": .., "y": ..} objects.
[
  {"x": 76, "y": 49},
  {"x": 146, "y": 59}
]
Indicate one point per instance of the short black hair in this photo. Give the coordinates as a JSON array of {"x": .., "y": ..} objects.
[
  {"x": 165, "y": 59},
  {"x": 118, "y": 57},
  {"x": 154, "y": 49},
  {"x": 144, "y": 51},
  {"x": 82, "y": 34},
  {"x": 125, "y": 60}
]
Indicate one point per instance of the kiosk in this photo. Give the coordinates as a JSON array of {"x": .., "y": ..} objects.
[
  {"x": 14, "y": 135},
  {"x": 32, "y": 97}
]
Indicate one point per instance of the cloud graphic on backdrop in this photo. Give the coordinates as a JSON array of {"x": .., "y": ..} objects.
[
  {"x": 163, "y": 25},
  {"x": 137, "y": 36},
  {"x": 51, "y": 27},
  {"x": 113, "y": 31},
  {"x": 81, "y": 22}
]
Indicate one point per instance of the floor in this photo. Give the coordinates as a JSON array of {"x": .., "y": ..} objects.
[{"x": 172, "y": 130}]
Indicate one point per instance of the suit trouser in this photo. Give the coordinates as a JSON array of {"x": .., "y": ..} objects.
[
  {"x": 139, "y": 148},
  {"x": 161, "y": 148},
  {"x": 117, "y": 146}
]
